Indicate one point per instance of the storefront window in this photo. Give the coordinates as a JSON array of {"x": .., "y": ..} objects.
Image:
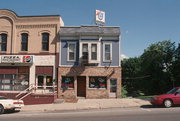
[
  {"x": 97, "y": 82},
  {"x": 67, "y": 82},
  {"x": 15, "y": 82}
]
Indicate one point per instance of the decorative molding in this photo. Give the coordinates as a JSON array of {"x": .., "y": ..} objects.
[{"x": 36, "y": 26}]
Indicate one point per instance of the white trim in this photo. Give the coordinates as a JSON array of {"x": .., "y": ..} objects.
[
  {"x": 68, "y": 51},
  {"x": 107, "y": 43},
  {"x": 89, "y": 50},
  {"x": 120, "y": 50}
]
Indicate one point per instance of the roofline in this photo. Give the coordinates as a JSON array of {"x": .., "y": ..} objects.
[
  {"x": 32, "y": 15},
  {"x": 90, "y": 26}
]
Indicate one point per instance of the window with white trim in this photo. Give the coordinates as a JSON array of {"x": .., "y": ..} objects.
[
  {"x": 71, "y": 51},
  {"x": 93, "y": 51},
  {"x": 107, "y": 52},
  {"x": 90, "y": 51}
]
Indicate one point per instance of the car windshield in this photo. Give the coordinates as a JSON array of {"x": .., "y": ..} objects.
[{"x": 172, "y": 91}]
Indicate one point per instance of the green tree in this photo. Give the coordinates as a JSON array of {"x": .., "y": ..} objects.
[
  {"x": 131, "y": 69},
  {"x": 157, "y": 61}
]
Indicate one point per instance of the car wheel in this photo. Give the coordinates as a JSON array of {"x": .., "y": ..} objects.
[
  {"x": 168, "y": 103},
  {"x": 1, "y": 109}
]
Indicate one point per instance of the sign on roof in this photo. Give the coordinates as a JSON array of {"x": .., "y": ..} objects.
[{"x": 100, "y": 17}]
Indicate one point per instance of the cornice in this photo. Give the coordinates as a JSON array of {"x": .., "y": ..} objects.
[{"x": 36, "y": 26}]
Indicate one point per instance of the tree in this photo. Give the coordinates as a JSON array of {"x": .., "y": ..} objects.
[
  {"x": 155, "y": 71},
  {"x": 131, "y": 68},
  {"x": 157, "y": 61}
]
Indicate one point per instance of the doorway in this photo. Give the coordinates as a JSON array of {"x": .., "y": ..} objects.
[
  {"x": 113, "y": 87},
  {"x": 81, "y": 86}
]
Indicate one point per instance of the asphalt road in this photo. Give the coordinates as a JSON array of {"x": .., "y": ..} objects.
[{"x": 116, "y": 114}]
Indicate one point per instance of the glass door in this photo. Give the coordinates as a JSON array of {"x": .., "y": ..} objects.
[{"x": 113, "y": 87}]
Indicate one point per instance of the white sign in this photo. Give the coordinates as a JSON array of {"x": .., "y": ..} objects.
[
  {"x": 100, "y": 17},
  {"x": 11, "y": 59},
  {"x": 16, "y": 59}
]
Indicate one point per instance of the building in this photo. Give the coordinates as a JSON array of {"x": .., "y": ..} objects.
[
  {"x": 89, "y": 64},
  {"x": 29, "y": 56}
]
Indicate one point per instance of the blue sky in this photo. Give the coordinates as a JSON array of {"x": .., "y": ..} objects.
[{"x": 142, "y": 22}]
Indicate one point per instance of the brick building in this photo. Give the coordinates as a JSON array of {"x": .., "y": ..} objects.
[
  {"x": 29, "y": 56},
  {"x": 89, "y": 63}
]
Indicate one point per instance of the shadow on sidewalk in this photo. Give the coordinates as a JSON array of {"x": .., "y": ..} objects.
[{"x": 158, "y": 106}]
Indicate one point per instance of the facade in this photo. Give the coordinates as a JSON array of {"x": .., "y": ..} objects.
[
  {"x": 29, "y": 55},
  {"x": 89, "y": 62}
]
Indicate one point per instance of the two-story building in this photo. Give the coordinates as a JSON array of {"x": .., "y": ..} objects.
[
  {"x": 89, "y": 62},
  {"x": 29, "y": 56}
]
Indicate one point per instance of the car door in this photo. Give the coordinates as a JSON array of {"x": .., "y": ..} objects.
[{"x": 177, "y": 97}]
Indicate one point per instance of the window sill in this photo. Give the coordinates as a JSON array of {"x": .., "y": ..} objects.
[
  {"x": 71, "y": 60},
  {"x": 68, "y": 88},
  {"x": 107, "y": 61},
  {"x": 97, "y": 88}
]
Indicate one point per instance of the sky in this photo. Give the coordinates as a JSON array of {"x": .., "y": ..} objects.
[{"x": 142, "y": 22}]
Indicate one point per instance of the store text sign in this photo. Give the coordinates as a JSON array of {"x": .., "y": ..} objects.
[{"x": 16, "y": 59}]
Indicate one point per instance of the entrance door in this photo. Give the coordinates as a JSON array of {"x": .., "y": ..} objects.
[
  {"x": 113, "y": 87},
  {"x": 81, "y": 86},
  {"x": 40, "y": 81}
]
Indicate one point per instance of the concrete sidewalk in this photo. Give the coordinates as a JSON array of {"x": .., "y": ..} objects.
[{"x": 88, "y": 104}]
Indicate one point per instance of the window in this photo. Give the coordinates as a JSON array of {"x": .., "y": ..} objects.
[
  {"x": 15, "y": 81},
  {"x": 85, "y": 52},
  {"x": 45, "y": 41},
  {"x": 3, "y": 42},
  {"x": 71, "y": 51},
  {"x": 24, "y": 42},
  {"x": 107, "y": 52},
  {"x": 90, "y": 52},
  {"x": 94, "y": 52},
  {"x": 67, "y": 82},
  {"x": 97, "y": 82}
]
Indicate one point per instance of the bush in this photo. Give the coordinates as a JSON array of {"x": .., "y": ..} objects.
[{"x": 124, "y": 92}]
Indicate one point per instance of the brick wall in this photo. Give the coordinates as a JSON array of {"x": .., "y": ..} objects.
[{"x": 109, "y": 72}]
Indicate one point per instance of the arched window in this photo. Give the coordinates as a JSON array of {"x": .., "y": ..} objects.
[
  {"x": 3, "y": 42},
  {"x": 45, "y": 41},
  {"x": 24, "y": 42}
]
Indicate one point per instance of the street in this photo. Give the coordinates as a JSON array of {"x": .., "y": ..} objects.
[{"x": 116, "y": 114}]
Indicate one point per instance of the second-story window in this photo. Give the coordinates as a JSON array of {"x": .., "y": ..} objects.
[
  {"x": 107, "y": 52},
  {"x": 24, "y": 42},
  {"x": 3, "y": 42},
  {"x": 94, "y": 52},
  {"x": 71, "y": 51},
  {"x": 45, "y": 41},
  {"x": 85, "y": 51}
]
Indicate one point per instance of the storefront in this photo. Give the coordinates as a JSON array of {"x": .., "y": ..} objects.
[{"x": 14, "y": 72}]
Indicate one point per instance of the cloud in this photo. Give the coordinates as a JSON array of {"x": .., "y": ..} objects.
[{"x": 124, "y": 57}]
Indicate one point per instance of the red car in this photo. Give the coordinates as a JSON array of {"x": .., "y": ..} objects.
[{"x": 169, "y": 99}]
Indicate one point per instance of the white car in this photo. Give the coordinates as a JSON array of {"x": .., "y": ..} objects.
[{"x": 9, "y": 104}]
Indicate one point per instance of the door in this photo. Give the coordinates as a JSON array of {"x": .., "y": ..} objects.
[
  {"x": 40, "y": 81},
  {"x": 176, "y": 97},
  {"x": 113, "y": 87},
  {"x": 81, "y": 86}
]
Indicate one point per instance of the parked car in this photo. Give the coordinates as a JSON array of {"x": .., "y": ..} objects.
[
  {"x": 169, "y": 99},
  {"x": 9, "y": 104}
]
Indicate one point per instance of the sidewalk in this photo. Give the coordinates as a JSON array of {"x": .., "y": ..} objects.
[{"x": 88, "y": 104}]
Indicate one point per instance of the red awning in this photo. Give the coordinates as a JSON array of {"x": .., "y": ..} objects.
[
  {"x": 8, "y": 70},
  {"x": 44, "y": 70}
]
